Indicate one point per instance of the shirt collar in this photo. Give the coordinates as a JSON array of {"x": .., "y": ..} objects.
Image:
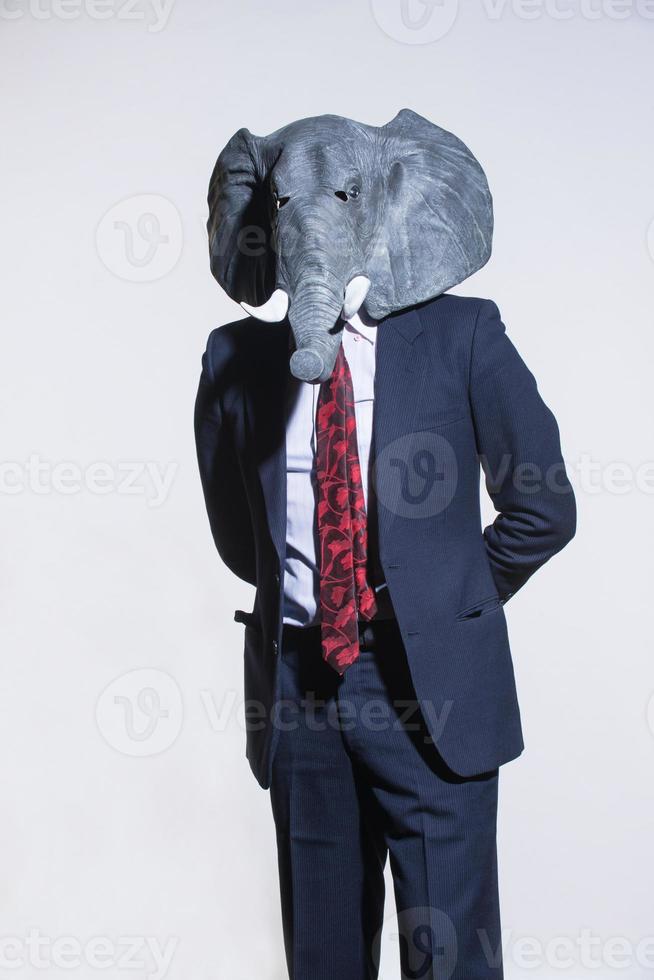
[{"x": 364, "y": 325}]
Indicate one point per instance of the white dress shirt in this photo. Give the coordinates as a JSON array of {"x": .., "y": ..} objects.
[{"x": 301, "y": 573}]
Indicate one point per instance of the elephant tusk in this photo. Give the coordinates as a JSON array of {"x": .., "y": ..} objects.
[
  {"x": 355, "y": 293},
  {"x": 273, "y": 311}
]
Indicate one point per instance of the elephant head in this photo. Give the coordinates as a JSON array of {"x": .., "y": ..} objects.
[{"x": 327, "y": 213}]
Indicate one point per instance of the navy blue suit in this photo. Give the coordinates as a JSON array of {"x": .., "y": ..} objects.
[{"x": 450, "y": 391}]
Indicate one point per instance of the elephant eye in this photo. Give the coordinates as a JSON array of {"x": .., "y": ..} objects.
[
  {"x": 352, "y": 193},
  {"x": 281, "y": 201}
]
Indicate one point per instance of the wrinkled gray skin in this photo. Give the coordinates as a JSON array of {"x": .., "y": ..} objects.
[{"x": 284, "y": 213}]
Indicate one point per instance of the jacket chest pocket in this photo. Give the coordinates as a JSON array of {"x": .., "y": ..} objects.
[{"x": 435, "y": 416}]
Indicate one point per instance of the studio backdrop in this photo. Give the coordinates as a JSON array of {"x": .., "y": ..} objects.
[{"x": 135, "y": 841}]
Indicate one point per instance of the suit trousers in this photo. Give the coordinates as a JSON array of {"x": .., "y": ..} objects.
[{"x": 355, "y": 778}]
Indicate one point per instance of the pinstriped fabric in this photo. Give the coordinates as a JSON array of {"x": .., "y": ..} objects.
[
  {"x": 347, "y": 790},
  {"x": 330, "y": 855},
  {"x": 447, "y": 373}
]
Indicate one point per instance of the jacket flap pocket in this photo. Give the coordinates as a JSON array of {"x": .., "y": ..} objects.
[{"x": 480, "y": 607}]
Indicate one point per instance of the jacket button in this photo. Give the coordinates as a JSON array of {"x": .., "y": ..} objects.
[
  {"x": 277, "y": 579},
  {"x": 275, "y": 647}
]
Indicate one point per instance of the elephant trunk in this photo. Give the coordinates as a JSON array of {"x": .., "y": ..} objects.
[{"x": 314, "y": 317}]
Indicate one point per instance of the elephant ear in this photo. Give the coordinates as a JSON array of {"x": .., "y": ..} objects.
[
  {"x": 436, "y": 217},
  {"x": 239, "y": 224}
]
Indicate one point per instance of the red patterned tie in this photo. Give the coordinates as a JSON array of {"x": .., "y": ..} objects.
[{"x": 345, "y": 595}]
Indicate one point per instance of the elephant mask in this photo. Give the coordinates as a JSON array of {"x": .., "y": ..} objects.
[{"x": 327, "y": 214}]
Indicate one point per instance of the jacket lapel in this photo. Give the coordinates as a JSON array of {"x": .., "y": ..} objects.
[{"x": 400, "y": 373}]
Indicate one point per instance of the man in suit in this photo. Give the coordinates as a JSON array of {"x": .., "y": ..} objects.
[
  {"x": 446, "y": 369},
  {"x": 388, "y": 742}
]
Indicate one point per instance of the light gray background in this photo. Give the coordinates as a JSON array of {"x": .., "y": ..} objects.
[{"x": 128, "y": 809}]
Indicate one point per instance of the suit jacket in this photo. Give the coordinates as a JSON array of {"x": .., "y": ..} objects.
[{"x": 451, "y": 392}]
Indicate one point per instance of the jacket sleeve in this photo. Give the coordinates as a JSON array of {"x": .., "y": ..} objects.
[
  {"x": 518, "y": 444},
  {"x": 220, "y": 472}
]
